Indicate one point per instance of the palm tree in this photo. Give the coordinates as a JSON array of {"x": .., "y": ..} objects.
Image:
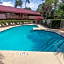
[
  {"x": 27, "y": 1},
  {"x": 18, "y": 3},
  {"x": 0, "y": 2}
]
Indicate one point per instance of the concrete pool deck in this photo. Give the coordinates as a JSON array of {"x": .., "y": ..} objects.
[
  {"x": 5, "y": 28},
  {"x": 58, "y": 31},
  {"x": 21, "y": 57},
  {"x": 25, "y": 57}
]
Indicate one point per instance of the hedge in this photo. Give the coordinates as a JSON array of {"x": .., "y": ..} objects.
[
  {"x": 15, "y": 21},
  {"x": 54, "y": 23},
  {"x": 3, "y": 22}
]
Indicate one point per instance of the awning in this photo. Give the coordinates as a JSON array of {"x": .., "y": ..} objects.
[{"x": 38, "y": 18}]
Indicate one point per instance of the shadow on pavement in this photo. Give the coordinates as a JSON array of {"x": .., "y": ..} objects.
[{"x": 1, "y": 58}]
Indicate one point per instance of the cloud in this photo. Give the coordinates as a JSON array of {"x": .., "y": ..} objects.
[
  {"x": 7, "y": 3},
  {"x": 33, "y": 3},
  {"x": 32, "y": 6}
]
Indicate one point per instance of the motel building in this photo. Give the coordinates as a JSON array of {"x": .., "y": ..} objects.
[
  {"x": 12, "y": 13},
  {"x": 7, "y": 12}
]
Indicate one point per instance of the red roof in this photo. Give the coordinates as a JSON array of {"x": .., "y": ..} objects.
[{"x": 17, "y": 10}]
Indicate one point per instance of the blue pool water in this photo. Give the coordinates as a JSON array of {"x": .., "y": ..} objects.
[{"x": 24, "y": 38}]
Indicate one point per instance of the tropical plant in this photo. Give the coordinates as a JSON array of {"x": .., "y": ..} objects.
[
  {"x": 61, "y": 6},
  {"x": 27, "y": 1},
  {"x": 47, "y": 7},
  {"x": 60, "y": 11},
  {"x": 18, "y": 3}
]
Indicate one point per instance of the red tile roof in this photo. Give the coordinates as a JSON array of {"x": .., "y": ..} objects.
[{"x": 17, "y": 10}]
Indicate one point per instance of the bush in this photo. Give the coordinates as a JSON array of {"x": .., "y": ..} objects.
[
  {"x": 50, "y": 17},
  {"x": 13, "y": 21},
  {"x": 55, "y": 23}
]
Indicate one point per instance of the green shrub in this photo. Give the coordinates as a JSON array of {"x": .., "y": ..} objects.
[
  {"x": 55, "y": 23},
  {"x": 13, "y": 21},
  {"x": 50, "y": 17}
]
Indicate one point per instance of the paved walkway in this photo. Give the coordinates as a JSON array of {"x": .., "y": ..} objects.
[{"x": 19, "y": 57}]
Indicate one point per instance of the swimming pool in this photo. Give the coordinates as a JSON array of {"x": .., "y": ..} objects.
[{"x": 24, "y": 38}]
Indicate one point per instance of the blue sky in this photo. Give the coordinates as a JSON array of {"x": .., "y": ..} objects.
[{"x": 33, "y": 5}]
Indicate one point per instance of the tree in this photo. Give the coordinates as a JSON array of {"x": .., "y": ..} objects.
[
  {"x": 18, "y": 3},
  {"x": 61, "y": 6},
  {"x": 27, "y": 1},
  {"x": 60, "y": 11},
  {"x": 39, "y": 9},
  {"x": 63, "y": 1},
  {"x": 47, "y": 7},
  {"x": 46, "y": 10},
  {"x": 28, "y": 8}
]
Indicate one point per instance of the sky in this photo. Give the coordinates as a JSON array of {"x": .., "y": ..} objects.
[{"x": 33, "y": 3}]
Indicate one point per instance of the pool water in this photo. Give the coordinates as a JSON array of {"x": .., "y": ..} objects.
[{"x": 24, "y": 38}]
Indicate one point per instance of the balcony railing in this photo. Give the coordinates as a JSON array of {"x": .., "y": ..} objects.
[
  {"x": 16, "y": 17},
  {"x": 13, "y": 17},
  {"x": 2, "y": 16},
  {"x": 34, "y": 17}
]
